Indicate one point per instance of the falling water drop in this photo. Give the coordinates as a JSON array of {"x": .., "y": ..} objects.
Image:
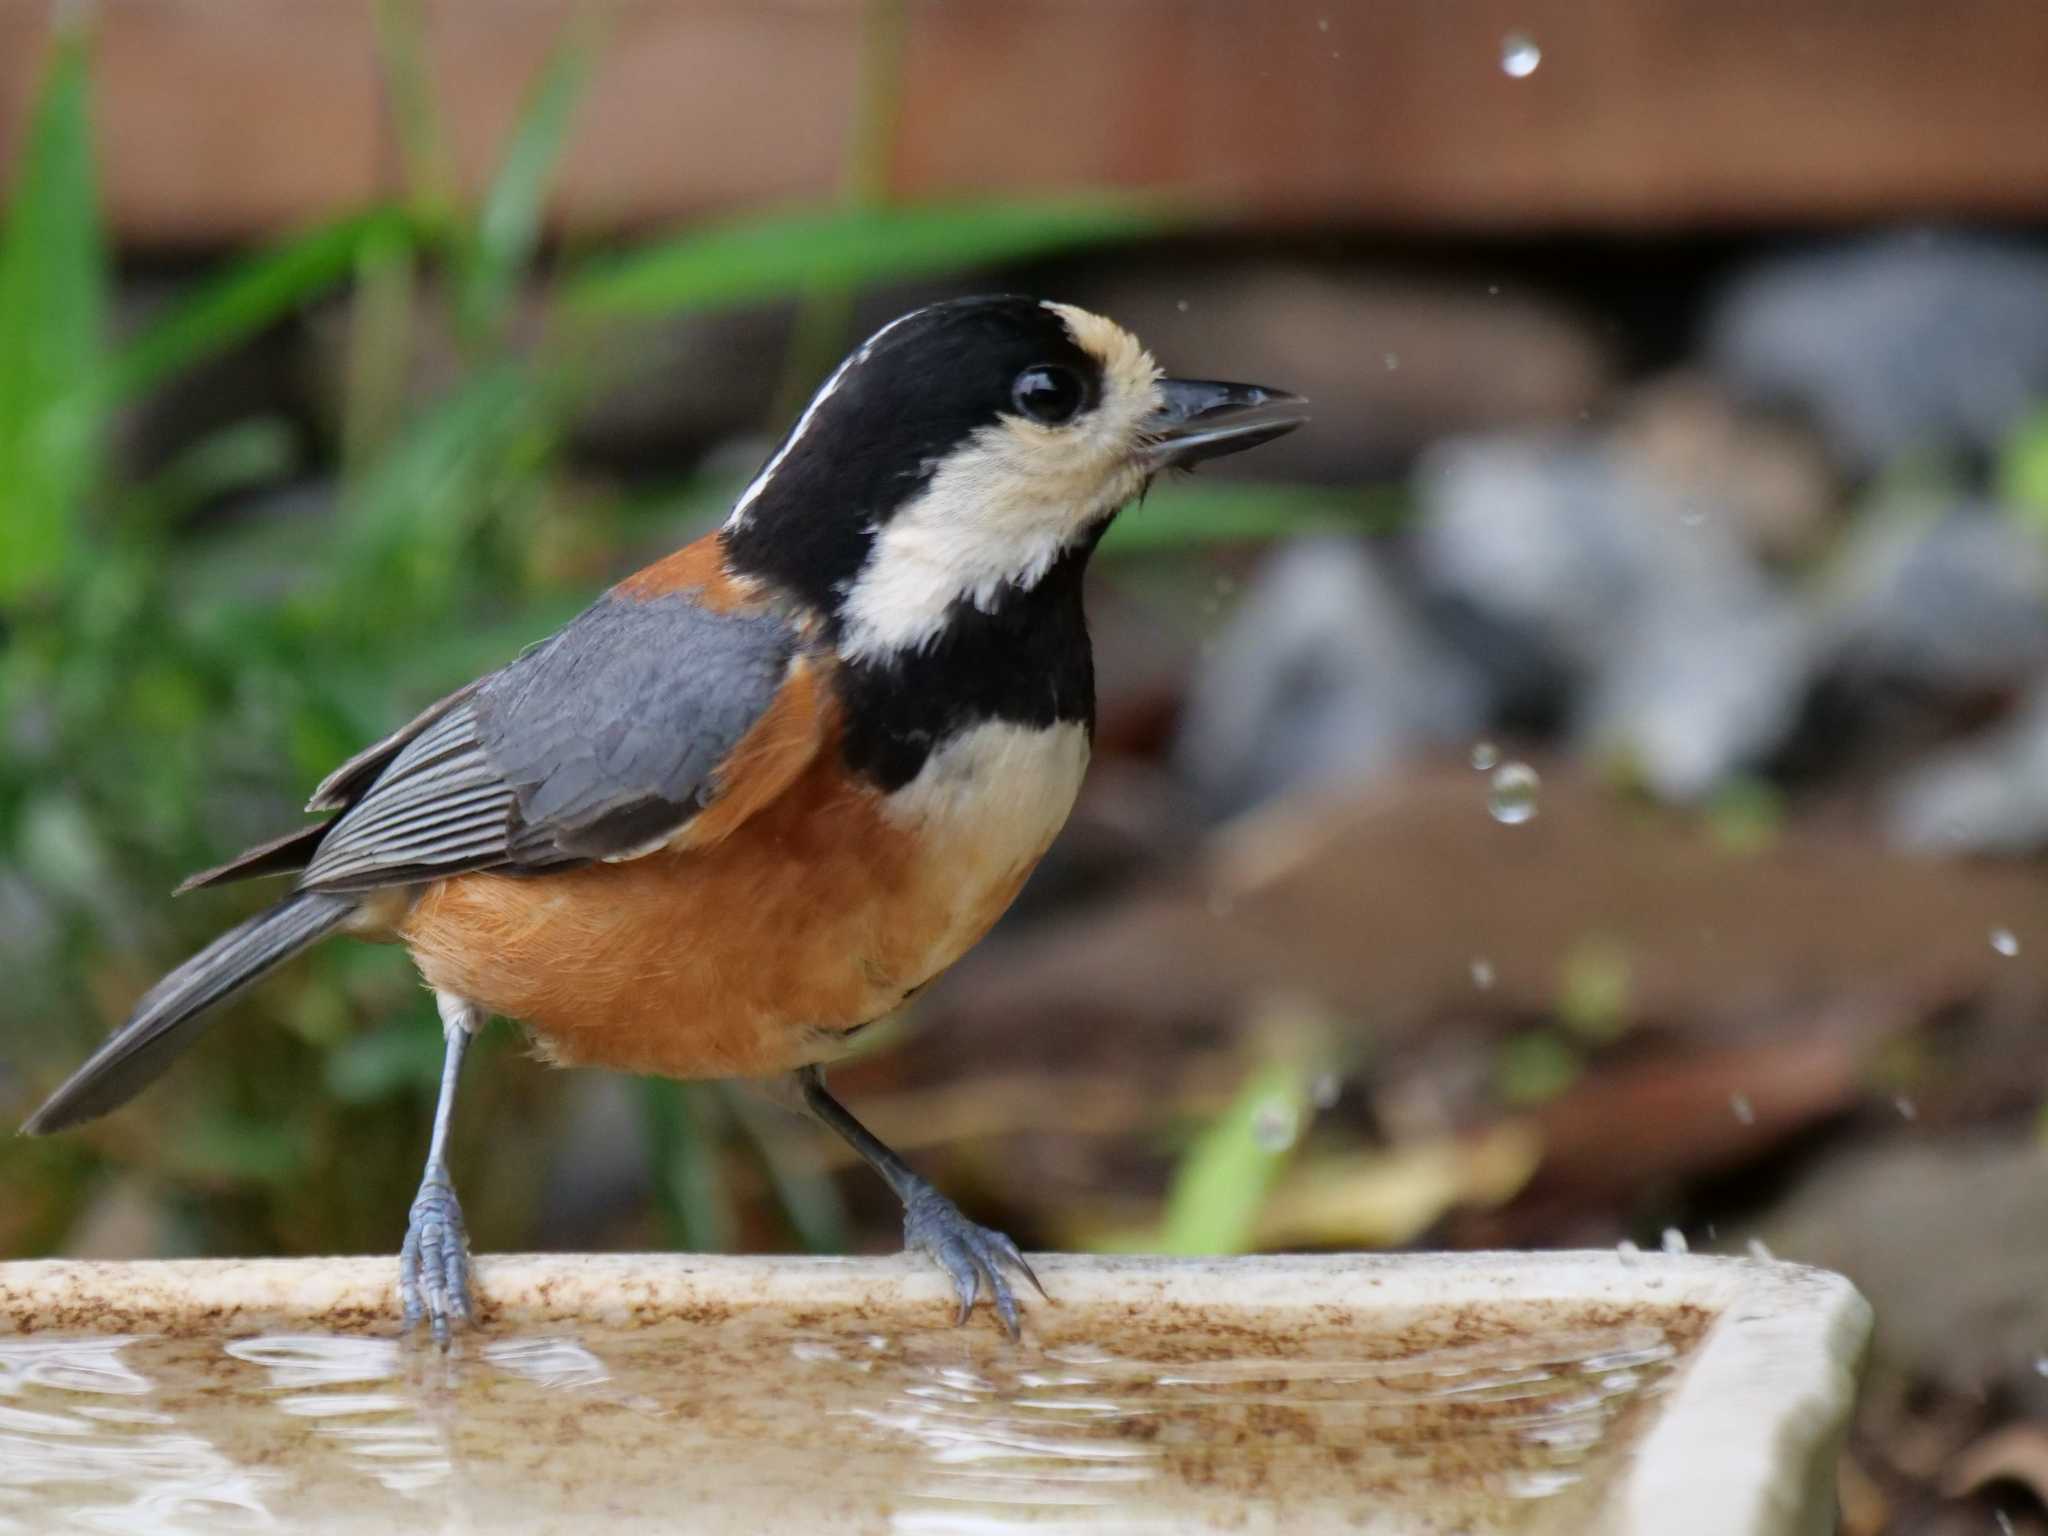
[
  {"x": 1513, "y": 797},
  {"x": 1482, "y": 974},
  {"x": 1275, "y": 1124},
  {"x": 2005, "y": 941},
  {"x": 1485, "y": 755},
  {"x": 1674, "y": 1241},
  {"x": 1519, "y": 55},
  {"x": 1742, "y": 1109}
]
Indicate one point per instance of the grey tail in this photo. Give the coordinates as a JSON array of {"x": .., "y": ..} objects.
[{"x": 136, "y": 1053}]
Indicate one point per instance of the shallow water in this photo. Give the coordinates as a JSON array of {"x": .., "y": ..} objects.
[{"x": 764, "y": 1423}]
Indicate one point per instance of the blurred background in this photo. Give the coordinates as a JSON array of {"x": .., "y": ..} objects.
[{"x": 1587, "y": 789}]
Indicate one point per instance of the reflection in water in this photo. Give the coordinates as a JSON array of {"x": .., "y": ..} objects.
[
  {"x": 72, "y": 1464},
  {"x": 399, "y": 1450},
  {"x": 760, "y": 1425}
]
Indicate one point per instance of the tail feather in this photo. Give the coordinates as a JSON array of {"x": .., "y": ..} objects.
[{"x": 134, "y": 1055}]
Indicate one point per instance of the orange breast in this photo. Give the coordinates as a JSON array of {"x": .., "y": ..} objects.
[{"x": 756, "y": 953}]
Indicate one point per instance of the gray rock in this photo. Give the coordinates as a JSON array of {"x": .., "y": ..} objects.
[
  {"x": 1323, "y": 675},
  {"x": 1989, "y": 795},
  {"x": 1956, "y": 602},
  {"x": 1689, "y": 660},
  {"x": 1709, "y": 683},
  {"x": 1907, "y": 343}
]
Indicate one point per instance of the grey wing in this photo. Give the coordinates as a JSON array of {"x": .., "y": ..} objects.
[{"x": 597, "y": 744}]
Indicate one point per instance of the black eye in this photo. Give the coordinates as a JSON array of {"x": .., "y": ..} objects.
[{"x": 1048, "y": 393}]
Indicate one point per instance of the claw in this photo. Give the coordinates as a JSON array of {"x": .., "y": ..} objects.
[
  {"x": 970, "y": 1255},
  {"x": 433, "y": 1263}
]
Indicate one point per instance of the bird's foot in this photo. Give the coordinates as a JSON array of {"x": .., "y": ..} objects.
[
  {"x": 433, "y": 1266},
  {"x": 972, "y": 1256}
]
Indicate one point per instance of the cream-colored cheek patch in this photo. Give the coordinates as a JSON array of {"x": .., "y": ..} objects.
[{"x": 999, "y": 510}]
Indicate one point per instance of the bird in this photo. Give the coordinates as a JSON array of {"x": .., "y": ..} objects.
[{"x": 766, "y": 788}]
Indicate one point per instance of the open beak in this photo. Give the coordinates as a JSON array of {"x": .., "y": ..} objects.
[{"x": 1201, "y": 419}]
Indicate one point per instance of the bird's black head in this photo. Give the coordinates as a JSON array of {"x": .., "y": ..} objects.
[{"x": 960, "y": 451}]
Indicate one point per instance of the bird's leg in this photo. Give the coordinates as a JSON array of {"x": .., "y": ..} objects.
[
  {"x": 972, "y": 1256},
  {"x": 433, "y": 1266}
]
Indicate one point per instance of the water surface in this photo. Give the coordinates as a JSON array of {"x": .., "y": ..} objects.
[{"x": 769, "y": 1422}]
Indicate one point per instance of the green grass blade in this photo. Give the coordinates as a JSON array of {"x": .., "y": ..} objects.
[
  {"x": 807, "y": 1193},
  {"x": 251, "y": 295},
  {"x": 53, "y": 305},
  {"x": 508, "y": 226},
  {"x": 407, "y": 69},
  {"x": 1226, "y": 1175},
  {"x": 682, "y": 1123},
  {"x": 779, "y": 255}
]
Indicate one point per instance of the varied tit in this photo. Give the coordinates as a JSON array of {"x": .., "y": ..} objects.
[{"x": 771, "y": 785}]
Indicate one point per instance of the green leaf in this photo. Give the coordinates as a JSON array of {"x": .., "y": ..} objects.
[
  {"x": 2023, "y": 471},
  {"x": 782, "y": 254},
  {"x": 509, "y": 225},
  {"x": 1535, "y": 1067},
  {"x": 53, "y": 302},
  {"x": 408, "y": 84},
  {"x": 1226, "y": 1175},
  {"x": 442, "y": 474},
  {"x": 385, "y": 1063},
  {"x": 1190, "y": 514},
  {"x": 682, "y": 1123},
  {"x": 808, "y": 1195},
  {"x": 251, "y": 295},
  {"x": 1595, "y": 986}
]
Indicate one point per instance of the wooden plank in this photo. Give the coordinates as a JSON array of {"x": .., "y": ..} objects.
[{"x": 223, "y": 120}]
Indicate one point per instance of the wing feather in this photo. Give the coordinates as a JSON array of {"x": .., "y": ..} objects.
[{"x": 601, "y": 743}]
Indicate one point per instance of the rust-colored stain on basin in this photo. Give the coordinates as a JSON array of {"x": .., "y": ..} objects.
[{"x": 734, "y": 1395}]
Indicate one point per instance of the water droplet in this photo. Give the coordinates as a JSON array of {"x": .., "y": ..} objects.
[
  {"x": 1907, "y": 1109},
  {"x": 1674, "y": 1241},
  {"x": 2005, "y": 941},
  {"x": 1392, "y": 360},
  {"x": 2041, "y": 1365},
  {"x": 1324, "y": 1090},
  {"x": 2005, "y": 1525},
  {"x": 1493, "y": 290},
  {"x": 1322, "y": 23},
  {"x": 1181, "y": 305},
  {"x": 1741, "y": 1108},
  {"x": 1482, "y": 974},
  {"x": 1513, "y": 800},
  {"x": 1627, "y": 1251},
  {"x": 1519, "y": 55},
  {"x": 1275, "y": 1125},
  {"x": 1537, "y": 1482},
  {"x": 1760, "y": 1251},
  {"x": 1485, "y": 755}
]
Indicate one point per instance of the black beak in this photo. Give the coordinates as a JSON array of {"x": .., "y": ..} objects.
[{"x": 1201, "y": 419}]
